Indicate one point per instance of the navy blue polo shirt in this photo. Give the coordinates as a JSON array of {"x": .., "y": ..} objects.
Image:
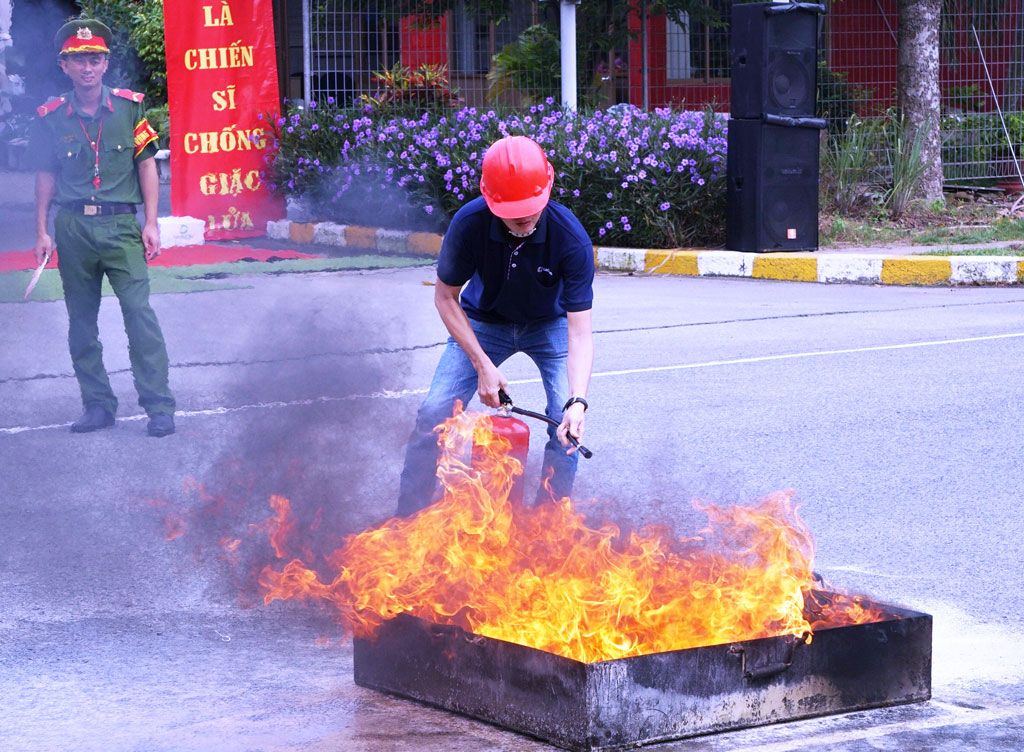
[{"x": 515, "y": 280}]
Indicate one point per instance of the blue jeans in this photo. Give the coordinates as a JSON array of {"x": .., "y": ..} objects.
[{"x": 547, "y": 344}]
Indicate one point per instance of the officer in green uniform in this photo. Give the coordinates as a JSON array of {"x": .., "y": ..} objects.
[{"x": 93, "y": 149}]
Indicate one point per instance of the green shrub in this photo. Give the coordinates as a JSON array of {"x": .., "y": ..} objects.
[
  {"x": 847, "y": 162},
  {"x": 530, "y": 66},
  {"x": 974, "y": 145},
  {"x": 633, "y": 178},
  {"x": 159, "y": 118},
  {"x": 905, "y": 166},
  {"x": 405, "y": 92},
  {"x": 137, "y": 56},
  {"x": 968, "y": 98},
  {"x": 837, "y": 98}
]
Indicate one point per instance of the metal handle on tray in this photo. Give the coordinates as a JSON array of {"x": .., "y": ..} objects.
[{"x": 765, "y": 670}]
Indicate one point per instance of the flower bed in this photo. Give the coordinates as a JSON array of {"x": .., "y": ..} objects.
[{"x": 633, "y": 178}]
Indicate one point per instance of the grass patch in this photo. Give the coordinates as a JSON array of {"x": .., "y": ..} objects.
[
  {"x": 836, "y": 231},
  {"x": 201, "y": 277},
  {"x": 161, "y": 280},
  {"x": 1005, "y": 228},
  {"x": 964, "y": 218},
  {"x": 298, "y": 266},
  {"x": 1010, "y": 250}
]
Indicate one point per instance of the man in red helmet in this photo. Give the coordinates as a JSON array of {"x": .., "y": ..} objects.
[{"x": 524, "y": 268}]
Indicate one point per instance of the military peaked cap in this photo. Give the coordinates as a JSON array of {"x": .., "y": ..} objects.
[{"x": 82, "y": 35}]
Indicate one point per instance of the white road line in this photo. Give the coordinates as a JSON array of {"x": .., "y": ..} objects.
[
  {"x": 869, "y": 572},
  {"x": 389, "y": 394},
  {"x": 952, "y": 716},
  {"x": 810, "y": 354},
  {"x": 223, "y": 410}
]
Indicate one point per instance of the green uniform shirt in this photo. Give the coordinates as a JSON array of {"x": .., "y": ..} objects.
[{"x": 60, "y": 143}]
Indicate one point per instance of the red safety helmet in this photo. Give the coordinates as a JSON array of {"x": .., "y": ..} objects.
[{"x": 516, "y": 178}]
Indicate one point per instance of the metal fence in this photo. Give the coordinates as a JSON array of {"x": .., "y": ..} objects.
[
  {"x": 509, "y": 57},
  {"x": 981, "y": 58}
]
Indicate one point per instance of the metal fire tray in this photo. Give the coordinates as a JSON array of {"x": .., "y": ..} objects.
[{"x": 627, "y": 702}]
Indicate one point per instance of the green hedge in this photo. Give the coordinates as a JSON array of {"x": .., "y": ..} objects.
[{"x": 633, "y": 178}]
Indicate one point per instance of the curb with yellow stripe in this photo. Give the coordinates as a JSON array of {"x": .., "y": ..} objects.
[
  {"x": 865, "y": 268},
  {"x": 355, "y": 236}
]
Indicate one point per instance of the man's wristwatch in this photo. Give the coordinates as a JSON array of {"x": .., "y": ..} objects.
[{"x": 573, "y": 401}]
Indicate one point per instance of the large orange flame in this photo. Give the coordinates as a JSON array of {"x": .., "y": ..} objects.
[{"x": 543, "y": 577}]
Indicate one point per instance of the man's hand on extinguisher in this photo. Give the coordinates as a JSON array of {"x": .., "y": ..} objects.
[
  {"x": 489, "y": 382},
  {"x": 573, "y": 420}
]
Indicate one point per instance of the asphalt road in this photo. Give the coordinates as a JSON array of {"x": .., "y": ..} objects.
[{"x": 894, "y": 414}]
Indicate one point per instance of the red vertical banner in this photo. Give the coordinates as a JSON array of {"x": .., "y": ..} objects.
[{"x": 221, "y": 82}]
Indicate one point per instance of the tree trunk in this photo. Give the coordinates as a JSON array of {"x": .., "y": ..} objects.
[{"x": 917, "y": 84}]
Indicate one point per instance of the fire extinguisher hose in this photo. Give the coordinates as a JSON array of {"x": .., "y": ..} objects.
[{"x": 506, "y": 402}]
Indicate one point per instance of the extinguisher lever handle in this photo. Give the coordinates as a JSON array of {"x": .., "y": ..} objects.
[
  {"x": 529, "y": 413},
  {"x": 503, "y": 398}
]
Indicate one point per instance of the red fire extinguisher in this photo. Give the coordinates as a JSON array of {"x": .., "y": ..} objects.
[{"x": 518, "y": 435}]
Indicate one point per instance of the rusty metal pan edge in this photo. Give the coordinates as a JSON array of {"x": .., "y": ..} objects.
[
  {"x": 895, "y": 613},
  {"x": 557, "y": 704},
  {"x": 724, "y": 728},
  {"x": 709, "y": 732}
]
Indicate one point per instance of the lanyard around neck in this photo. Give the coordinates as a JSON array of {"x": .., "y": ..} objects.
[{"x": 95, "y": 148}]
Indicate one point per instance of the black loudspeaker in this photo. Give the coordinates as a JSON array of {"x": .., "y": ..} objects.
[
  {"x": 774, "y": 54},
  {"x": 772, "y": 186}
]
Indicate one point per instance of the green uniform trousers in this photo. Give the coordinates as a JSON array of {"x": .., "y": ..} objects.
[{"x": 88, "y": 248}]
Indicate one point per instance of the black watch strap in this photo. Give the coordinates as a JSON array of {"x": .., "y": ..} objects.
[{"x": 573, "y": 401}]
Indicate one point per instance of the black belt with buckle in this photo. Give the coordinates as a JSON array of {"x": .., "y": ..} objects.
[{"x": 98, "y": 210}]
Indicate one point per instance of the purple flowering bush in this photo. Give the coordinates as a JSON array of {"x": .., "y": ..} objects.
[{"x": 633, "y": 178}]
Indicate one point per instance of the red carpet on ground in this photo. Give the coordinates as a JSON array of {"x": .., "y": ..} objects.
[{"x": 184, "y": 255}]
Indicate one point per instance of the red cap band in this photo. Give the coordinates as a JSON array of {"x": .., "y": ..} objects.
[{"x": 84, "y": 41}]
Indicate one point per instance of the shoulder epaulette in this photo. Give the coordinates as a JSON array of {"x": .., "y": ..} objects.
[
  {"x": 128, "y": 94},
  {"x": 45, "y": 109}
]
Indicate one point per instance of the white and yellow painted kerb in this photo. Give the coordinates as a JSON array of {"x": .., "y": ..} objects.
[
  {"x": 822, "y": 266},
  {"x": 355, "y": 236},
  {"x": 819, "y": 267}
]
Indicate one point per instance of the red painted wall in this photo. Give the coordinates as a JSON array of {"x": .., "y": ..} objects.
[
  {"x": 861, "y": 36},
  {"x": 661, "y": 91},
  {"x": 861, "y": 43},
  {"x": 423, "y": 45},
  {"x": 861, "y": 40}
]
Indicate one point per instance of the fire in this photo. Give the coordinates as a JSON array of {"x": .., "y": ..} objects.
[
  {"x": 281, "y": 526},
  {"x": 174, "y": 527},
  {"x": 543, "y": 577}
]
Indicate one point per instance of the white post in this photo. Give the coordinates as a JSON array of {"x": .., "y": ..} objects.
[
  {"x": 5, "y": 42},
  {"x": 567, "y": 18},
  {"x": 643, "y": 51},
  {"x": 5, "y": 23},
  {"x": 307, "y": 53}
]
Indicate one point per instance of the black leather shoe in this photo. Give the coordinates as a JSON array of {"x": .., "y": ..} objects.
[
  {"x": 160, "y": 424},
  {"x": 93, "y": 419}
]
